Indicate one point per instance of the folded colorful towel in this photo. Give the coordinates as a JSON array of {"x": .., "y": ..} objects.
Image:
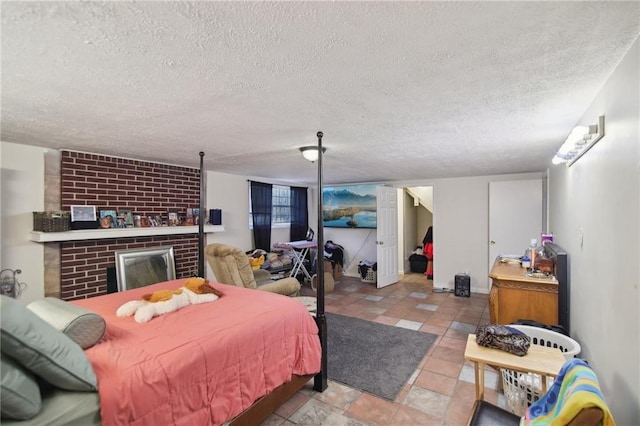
[{"x": 575, "y": 388}]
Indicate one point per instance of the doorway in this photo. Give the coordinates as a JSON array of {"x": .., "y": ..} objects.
[{"x": 417, "y": 218}]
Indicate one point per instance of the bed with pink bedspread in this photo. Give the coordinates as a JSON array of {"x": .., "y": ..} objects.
[{"x": 203, "y": 364}]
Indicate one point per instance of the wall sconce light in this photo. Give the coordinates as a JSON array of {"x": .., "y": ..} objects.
[
  {"x": 311, "y": 152},
  {"x": 579, "y": 141}
]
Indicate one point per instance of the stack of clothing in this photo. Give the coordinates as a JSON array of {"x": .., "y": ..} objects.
[{"x": 335, "y": 253}]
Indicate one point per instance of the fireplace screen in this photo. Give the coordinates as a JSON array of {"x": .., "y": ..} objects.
[{"x": 142, "y": 267}]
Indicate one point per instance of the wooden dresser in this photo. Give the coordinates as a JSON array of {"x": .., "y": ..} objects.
[{"x": 515, "y": 296}]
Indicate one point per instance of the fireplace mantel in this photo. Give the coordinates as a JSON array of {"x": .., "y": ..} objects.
[{"x": 103, "y": 234}]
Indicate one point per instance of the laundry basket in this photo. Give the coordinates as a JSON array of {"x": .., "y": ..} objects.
[
  {"x": 368, "y": 272},
  {"x": 523, "y": 389},
  {"x": 370, "y": 277}
]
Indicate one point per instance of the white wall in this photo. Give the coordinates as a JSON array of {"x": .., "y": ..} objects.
[
  {"x": 359, "y": 244},
  {"x": 461, "y": 227},
  {"x": 598, "y": 196},
  {"x": 230, "y": 193},
  {"x": 22, "y": 193}
]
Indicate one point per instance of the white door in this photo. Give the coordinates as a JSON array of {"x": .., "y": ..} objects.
[
  {"x": 387, "y": 236},
  {"x": 515, "y": 216}
]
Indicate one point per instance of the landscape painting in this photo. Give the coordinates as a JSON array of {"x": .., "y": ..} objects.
[{"x": 350, "y": 206}]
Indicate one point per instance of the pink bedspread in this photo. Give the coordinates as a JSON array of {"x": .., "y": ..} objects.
[{"x": 203, "y": 364}]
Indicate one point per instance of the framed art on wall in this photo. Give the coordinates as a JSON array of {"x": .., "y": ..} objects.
[{"x": 349, "y": 206}]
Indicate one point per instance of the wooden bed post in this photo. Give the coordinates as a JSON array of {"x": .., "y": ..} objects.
[
  {"x": 201, "y": 221},
  {"x": 320, "y": 379}
]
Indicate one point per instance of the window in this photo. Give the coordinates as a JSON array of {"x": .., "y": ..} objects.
[
  {"x": 281, "y": 198},
  {"x": 281, "y": 206}
]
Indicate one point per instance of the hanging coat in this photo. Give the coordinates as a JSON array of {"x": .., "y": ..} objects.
[{"x": 427, "y": 243}]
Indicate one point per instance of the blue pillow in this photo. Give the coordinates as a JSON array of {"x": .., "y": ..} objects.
[
  {"x": 20, "y": 393},
  {"x": 43, "y": 350}
]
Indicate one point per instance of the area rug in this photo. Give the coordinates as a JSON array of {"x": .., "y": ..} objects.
[{"x": 374, "y": 358}]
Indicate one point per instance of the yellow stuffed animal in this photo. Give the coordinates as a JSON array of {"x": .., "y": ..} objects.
[
  {"x": 195, "y": 290},
  {"x": 256, "y": 262}
]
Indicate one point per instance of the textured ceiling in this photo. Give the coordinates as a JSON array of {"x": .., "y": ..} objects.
[{"x": 401, "y": 90}]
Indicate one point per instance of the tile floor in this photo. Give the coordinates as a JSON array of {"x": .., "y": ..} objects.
[{"x": 440, "y": 392}]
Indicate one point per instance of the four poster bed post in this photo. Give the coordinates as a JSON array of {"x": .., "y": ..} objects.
[
  {"x": 201, "y": 221},
  {"x": 320, "y": 379},
  {"x": 264, "y": 406}
]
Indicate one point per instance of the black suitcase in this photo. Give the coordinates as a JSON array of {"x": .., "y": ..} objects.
[{"x": 418, "y": 263}]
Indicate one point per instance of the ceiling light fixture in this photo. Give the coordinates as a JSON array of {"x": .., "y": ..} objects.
[
  {"x": 311, "y": 152},
  {"x": 579, "y": 141}
]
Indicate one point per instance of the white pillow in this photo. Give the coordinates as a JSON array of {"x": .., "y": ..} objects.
[{"x": 84, "y": 327}]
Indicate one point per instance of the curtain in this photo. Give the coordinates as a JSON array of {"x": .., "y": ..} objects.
[
  {"x": 299, "y": 214},
  {"x": 261, "y": 205}
]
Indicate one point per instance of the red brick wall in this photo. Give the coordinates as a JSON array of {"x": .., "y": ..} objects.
[{"x": 111, "y": 183}]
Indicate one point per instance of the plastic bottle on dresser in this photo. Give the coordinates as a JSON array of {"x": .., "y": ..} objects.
[{"x": 532, "y": 251}]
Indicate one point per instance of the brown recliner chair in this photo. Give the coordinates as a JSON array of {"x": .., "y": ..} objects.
[{"x": 231, "y": 266}]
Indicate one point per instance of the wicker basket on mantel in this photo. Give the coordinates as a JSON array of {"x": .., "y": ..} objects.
[{"x": 53, "y": 221}]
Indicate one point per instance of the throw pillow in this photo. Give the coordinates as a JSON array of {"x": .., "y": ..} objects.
[
  {"x": 84, "y": 327},
  {"x": 42, "y": 349},
  {"x": 20, "y": 392}
]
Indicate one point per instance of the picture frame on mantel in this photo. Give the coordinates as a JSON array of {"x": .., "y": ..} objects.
[
  {"x": 192, "y": 217},
  {"x": 125, "y": 218},
  {"x": 172, "y": 218},
  {"x": 84, "y": 217},
  {"x": 108, "y": 219}
]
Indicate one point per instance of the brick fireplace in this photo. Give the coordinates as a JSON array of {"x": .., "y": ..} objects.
[{"x": 112, "y": 183}]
